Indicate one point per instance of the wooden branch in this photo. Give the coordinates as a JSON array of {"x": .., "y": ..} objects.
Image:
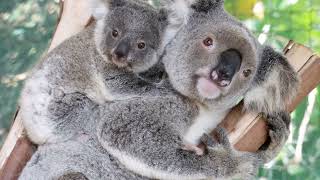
[{"x": 247, "y": 131}]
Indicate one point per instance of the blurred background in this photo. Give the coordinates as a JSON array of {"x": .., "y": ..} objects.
[{"x": 26, "y": 27}]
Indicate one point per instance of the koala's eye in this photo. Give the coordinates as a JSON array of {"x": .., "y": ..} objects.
[
  {"x": 115, "y": 33},
  {"x": 247, "y": 73},
  {"x": 141, "y": 45},
  {"x": 208, "y": 42}
]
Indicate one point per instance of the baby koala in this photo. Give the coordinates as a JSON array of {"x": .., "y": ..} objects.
[{"x": 101, "y": 62}]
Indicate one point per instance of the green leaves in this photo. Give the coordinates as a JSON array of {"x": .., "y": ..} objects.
[{"x": 26, "y": 28}]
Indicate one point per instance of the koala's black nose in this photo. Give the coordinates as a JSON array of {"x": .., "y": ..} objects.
[
  {"x": 122, "y": 50},
  {"x": 229, "y": 63}
]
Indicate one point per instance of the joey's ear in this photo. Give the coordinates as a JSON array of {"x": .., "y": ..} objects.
[
  {"x": 100, "y": 8},
  {"x": 275, "y": 84}
]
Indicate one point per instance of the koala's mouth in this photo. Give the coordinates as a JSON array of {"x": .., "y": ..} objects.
[
  {"x": 119, "y": 62},
  {"x": 209, "y": 84}
]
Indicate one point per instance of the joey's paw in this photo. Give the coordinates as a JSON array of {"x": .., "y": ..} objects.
[
  {"x": 278, "y": 125},
  {"x": 198, "y": 150}
]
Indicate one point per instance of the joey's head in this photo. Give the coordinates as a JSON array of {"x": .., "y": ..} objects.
[
  {"x": 129, "y": 33},
  {"x": 213, "y": 57}
]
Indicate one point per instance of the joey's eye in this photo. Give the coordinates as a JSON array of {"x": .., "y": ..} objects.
[
  {"x": 115, "y": 33},
  {"x": 208, "y": 42},
  {"x": 141, "y": 45},
  {"x": 247, "y": 73}
]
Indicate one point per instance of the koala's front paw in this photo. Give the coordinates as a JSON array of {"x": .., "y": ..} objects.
[
  {"x": 222, "y": 137},
  {"x": 208, "y": 140},
  {"x": 278, "y": 124}
]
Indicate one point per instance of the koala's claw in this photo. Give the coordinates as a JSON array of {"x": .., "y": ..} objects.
[{"x": 222, "y": 136}]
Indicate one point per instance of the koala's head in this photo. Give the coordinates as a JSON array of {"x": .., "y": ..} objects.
[
  {"x": 129, "y": 33},
  {"x": 213, "y": 57}
]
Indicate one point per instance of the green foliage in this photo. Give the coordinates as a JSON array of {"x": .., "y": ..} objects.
[{"x": 26, "y": 27}]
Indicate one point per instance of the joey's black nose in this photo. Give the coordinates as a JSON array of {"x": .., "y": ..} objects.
[{"x": 122, "y": 50}]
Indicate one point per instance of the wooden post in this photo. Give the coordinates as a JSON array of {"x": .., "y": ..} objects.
[{"x": 247, "y": 131}]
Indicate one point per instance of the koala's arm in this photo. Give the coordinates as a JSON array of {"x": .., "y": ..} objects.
[
  {"x": 278, "y": 125},
  {"x": 274, "y": 86},
  {"x": 147, "y": 131}
]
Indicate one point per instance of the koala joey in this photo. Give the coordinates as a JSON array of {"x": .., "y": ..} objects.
[
  {"x": 212, "y": 62},
  {"x": 101, "y": 62}
]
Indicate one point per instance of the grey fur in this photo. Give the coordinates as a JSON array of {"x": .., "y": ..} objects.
[
  {"x": 149, "y": 127},
  {"x": 84, "y": 64}
]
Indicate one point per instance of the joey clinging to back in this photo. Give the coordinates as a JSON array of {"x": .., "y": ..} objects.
[
  {"x": 125, "y": 40},
  {"x": 216, "y": 61}
]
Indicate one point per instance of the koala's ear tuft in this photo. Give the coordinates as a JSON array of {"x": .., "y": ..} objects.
[
  {"x": 99, "y": 8},
  {"x": 275, "y": 84},
  {"x": 207, "y": 5}
]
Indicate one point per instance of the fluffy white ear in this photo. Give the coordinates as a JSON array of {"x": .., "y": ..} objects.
[
  {"x": 179, "y": 10},
  {"x": 178, "y": 15},
  {"x": 99, "y": 8}
]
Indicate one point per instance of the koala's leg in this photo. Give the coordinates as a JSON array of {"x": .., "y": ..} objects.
[
  {"x": 278, "y": 124},
  {"x": 74, "y": 159}
]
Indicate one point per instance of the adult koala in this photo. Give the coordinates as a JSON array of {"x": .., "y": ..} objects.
[{"x": 145, "y": 133}]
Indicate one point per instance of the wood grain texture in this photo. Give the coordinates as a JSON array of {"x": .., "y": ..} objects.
[
  {"x": 19, "y": 157},
  {"x": 247, "y": 131}
]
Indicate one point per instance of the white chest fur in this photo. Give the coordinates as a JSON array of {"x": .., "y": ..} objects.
[{"x": 205, "y": 122}]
